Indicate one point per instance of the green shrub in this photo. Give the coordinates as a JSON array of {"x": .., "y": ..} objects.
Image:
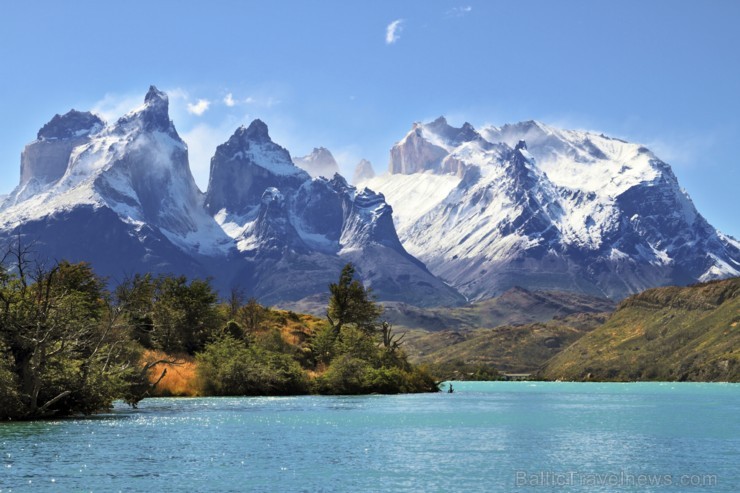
[
  {"x": 346, "y": 376},
  {"x": 228, "y": 367}
]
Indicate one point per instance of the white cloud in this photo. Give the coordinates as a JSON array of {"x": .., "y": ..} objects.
[
  {"x": 459, "y": 11},
  {"x": 393, "y": 31},
  {"x": 262, "y": 101},
  {"x": 199, "y": 108},
  {"x": 265, "y": 102},
  {"x": 683, "y": 151},
  {"x": 176, "y": 93},
  {"x": 114, "y": 106},
  {"x": 270, "y": 102}
]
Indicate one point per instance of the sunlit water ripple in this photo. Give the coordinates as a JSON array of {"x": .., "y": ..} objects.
[{"x": 499, "y": 436}]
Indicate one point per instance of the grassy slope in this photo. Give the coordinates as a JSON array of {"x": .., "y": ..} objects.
[
  {"x": 662, "y": 334},
  {"x": 508, "y": 348}
]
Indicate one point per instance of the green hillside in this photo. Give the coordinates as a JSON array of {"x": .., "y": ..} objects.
[
  {"x": 507, "y": 348},
  {"x": 671, "y": 334}
]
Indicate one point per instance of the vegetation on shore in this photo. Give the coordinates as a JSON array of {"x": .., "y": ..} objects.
[{"x": 70, "y": 346}]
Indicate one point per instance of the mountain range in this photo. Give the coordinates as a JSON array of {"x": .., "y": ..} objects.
[
  {"x": 533, "y": 206},
  {"x": 121, "y": 196},
  {"x": 461, "y": 213}
]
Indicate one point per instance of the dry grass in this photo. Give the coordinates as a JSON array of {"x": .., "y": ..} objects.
[{"x": 181, "y": 379}]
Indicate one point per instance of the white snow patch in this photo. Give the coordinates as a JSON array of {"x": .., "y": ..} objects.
[
  {"x": 719, "y": 270},
  {"x": 411, "y": 196},
  {"x": 269, "y": 157}
]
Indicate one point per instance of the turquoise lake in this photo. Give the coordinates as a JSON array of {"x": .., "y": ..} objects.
[{"x": 497, "y": 436}]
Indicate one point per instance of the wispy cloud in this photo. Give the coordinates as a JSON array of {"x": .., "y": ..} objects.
[
  {"x": 393, "y": 31},
  {"x": 202, "y": 140},
  {"x": 459, "y": 11},
  {"x": 113, "y": 106},
  {"x": 684, "y": 151},
  {"x": 200, "y": 107},
  {"x": 262, "y": 101}
]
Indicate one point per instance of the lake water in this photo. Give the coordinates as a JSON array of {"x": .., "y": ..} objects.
[{"x": 498, "y": 436}]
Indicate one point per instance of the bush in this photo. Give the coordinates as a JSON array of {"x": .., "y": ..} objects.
[
  {"x": 355, "y": 343},
  {"x": 387, "y": 381},
  {"x": 346, "y": 375},
  {"x": 228, "y": 367},
  {"x": 322, "y": 345}
]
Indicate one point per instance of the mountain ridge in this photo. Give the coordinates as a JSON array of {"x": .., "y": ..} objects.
[
  {"x": 464, "y": 210},
  {"x": 527, "y": 204},
  {"x": 128, "y": 203}
]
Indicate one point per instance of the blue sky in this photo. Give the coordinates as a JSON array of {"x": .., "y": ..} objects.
[{"x": 339, "y": 74}]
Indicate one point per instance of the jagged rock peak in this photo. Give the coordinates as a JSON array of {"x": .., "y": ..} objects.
[
  {"x": 45, "y": 160},
  {"x": 318, "y": 154},
  {"x": 257, "y": 131},
  {"x": 441, "y": 127},
  {"x": 521, "y": 145},
  {"x": 338, "y": 182},
  {"x": 363, "y": 171},
  {"x": 70, "y": 125},
  {"x": 245, "y": 165},
  {"x": 154, "y": 115},
  {"x": 320, "y": 162},
  {"x": 155, "y": 96},
  {"x": 453, "y": 135},
  {"x": 318, "y": 151},
  {"x": 254, "y": 145},
  {"x": 428, "y": 146},
  {"x": 368, "y": 199},
  {"x": 439, "y": 121}
]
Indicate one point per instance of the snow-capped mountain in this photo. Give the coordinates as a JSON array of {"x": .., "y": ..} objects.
[
  {"x": 534, "y": 206},
  {"x": 122, "y": 197},
  {"x": 319, "y": 163},
  {"x": 296, "y": 232}
]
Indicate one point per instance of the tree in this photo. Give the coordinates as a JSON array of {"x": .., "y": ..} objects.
[
  {"x": 322, "y": 345},
  {"x": 196, "y": 306},
  {"x": 134, "y": 297},
  {"x": 391, "y": 342},
  {"x": 351, "y": 303},
  {"x": 235, "y": 302},
  {"x": 60, "y": 340},
  {"x": 170, "y": 313},
  {"x": 252, "y": 315}
]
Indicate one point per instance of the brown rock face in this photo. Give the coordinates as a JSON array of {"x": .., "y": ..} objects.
[{"x": 46, "y": 158}]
